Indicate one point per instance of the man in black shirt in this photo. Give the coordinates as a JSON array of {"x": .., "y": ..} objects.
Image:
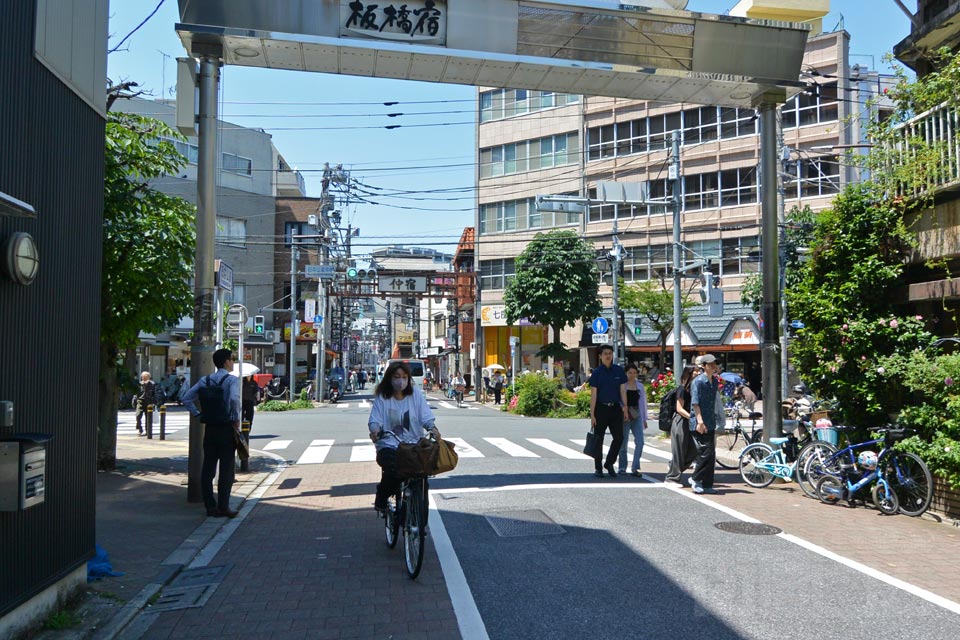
[{"x": 608, "y": 408}]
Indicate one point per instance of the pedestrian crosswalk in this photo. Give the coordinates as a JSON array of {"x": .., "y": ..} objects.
[
  {"x": 362, "y": 450},
  {"x": 175, "y": 421},
  {"x": 366, "y": 404}
]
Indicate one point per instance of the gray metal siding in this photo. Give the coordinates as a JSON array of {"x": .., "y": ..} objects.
[{"x": 52, "y": 144}]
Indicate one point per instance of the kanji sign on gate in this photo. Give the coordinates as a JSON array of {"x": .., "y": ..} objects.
[{"x": 402, "y": 284}]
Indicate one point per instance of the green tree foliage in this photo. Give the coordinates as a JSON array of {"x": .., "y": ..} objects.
[
  {"x": 556, "y": 285},
  {"x": 845, "y": 298},
  {"x": 653, "y": 301},
  {"x": 148, "y": 248},
  {"x": 797, "y": 233}
]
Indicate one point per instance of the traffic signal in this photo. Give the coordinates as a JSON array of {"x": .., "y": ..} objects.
[
  {"x": 711, "y": 294},
  {"x": 354, "y": 273},
  {"x": 258, "y": 326},
  {"x": 636, "y": 326}
]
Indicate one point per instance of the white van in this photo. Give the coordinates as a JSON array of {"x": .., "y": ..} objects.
[{"x": 418, "y": 369}]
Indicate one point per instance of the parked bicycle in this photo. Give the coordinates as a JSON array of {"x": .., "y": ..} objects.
[
  {"x": 406, "y": 513},
  {"x": 906, "y": 474},
  {"x": 844, "y": 486},
  {"x": 760, "y": 463},
  {"x": 736, "y": 435}
]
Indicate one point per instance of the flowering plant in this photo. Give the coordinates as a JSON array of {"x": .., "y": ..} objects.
[{"x": 659, "y": 387}]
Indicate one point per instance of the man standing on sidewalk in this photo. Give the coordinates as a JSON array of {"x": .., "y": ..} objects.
[
  {"x": 608, "y": 408},
  {"x": 703, "y": 407},
  {"x": 220, "y": 404}
]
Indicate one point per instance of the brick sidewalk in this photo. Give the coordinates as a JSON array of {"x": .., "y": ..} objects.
[
  {"x": 915, "y": 550},
  {"x": 310, "y": 562}
]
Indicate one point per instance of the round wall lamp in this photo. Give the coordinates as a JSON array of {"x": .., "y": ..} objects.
[
  {"x": 21, "y": 260},
  {"x": 246, "y": 52}
]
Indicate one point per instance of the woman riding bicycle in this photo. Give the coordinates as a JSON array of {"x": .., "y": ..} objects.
[
  {"x": 459, "y": 386},
  {"x": 400, "y": 413}
]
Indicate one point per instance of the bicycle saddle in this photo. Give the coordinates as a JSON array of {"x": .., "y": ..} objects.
[{"x": 754, "y": 415}]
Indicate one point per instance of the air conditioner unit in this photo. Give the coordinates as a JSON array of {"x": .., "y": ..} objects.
[{"x": 272, "y": 336}]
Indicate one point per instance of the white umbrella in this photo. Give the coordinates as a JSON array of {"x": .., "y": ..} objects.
[
  {"x": 248, "y": 369},
  {"x": 496, "y": 366}
]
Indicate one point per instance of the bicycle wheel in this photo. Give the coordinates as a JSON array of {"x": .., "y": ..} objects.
[
  {"x": 829, "y": 490},
  {"x": 884, "y": 498},
  {"x": 811, "y": 466},
  {"x": 910, "y": 479},
  {"x": 391, "y": 523},
  {"x": 728, "y": 445},
  {"x": 414, "y": 531},
  {"x": 750, "y": 470}
]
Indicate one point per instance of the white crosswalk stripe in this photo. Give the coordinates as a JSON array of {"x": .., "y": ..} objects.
[
  {"x": 464, "y": 450},
  {"x": 606, "y": 448},
  {"x": 277, "y": 445},
  {"x": 559, "y": 449},
  {"x": 316, "y": 453},
  {"x": 363, "y": 451},
  {"x": 511, "y": 449}
]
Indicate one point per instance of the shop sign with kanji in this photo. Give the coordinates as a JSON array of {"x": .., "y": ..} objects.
[
  {"x": 402, "y": 284},
  {"x": 416, "y": 21}
]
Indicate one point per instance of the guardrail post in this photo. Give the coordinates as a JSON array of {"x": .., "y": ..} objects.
[
  {"x": 163, "y": 422},
  {"x": 245, "y": 430},
  {"x": 149, "y": 418}
]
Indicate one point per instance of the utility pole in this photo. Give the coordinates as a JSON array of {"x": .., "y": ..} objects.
[
  {"x": 770, "y": 358},
  {"x": 202, "y": 347},
  {"x": 677, "y": 260},
  {"x": 292, "y": 358},
  {"x": 782, "y": 256}
]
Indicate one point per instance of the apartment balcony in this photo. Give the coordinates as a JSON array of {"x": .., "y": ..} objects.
[
  {"x": 934, "y": 134},
  {"x": 290, "y": 184}
]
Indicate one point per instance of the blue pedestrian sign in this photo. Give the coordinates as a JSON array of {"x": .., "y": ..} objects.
[
  {"x": 600, "y": 325},
  {"x": 317, "y": 319}
]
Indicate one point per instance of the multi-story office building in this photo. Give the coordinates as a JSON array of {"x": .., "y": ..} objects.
[
  {"x": 252, "y": 176},
  {"x": 536, "y": 143}
]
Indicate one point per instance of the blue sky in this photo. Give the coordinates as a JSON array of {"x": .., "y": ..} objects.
[{"x": 436, "y": 161}]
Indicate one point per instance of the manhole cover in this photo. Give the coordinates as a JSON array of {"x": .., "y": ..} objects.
[
  {"x": 748, "y": 528},
  {"x": 514, "y": 524}
]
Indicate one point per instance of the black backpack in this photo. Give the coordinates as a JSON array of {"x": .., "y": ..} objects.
[
  {"x": 214, "y": 408},
  {"x": 668, "y": 408}
]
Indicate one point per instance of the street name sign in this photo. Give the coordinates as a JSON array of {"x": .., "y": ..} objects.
[{"x": 601, "y": 338}]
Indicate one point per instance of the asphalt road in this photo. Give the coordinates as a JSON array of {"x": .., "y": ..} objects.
[{"x": 549, "y": 551}]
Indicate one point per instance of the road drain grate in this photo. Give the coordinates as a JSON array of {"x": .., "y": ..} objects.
[
  {"x": 192, "y": 588},
  {"x": 748, "y": 528},
  {"x": 174, "y": 598},
  {"x": 531, "y": 522}
]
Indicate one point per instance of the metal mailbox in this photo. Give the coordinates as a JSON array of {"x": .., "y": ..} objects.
[{"x": 23, "y": 479}]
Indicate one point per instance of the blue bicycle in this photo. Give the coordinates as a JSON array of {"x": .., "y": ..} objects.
[{"x": 899, "y": 481}]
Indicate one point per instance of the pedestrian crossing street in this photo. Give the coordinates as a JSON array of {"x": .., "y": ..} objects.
[{"x": 362, "y": 449}]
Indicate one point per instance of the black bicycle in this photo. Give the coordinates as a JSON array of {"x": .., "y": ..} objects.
[
  {"x": 406, "y": 512},
  {"x": 735, "y": 436}
]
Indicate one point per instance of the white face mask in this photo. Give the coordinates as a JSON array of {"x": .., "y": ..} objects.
[{"x": 399, "y": 384}]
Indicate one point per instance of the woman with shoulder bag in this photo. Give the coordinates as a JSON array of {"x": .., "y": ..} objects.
[
  {"x": 681, "y": 449},
  {"x": 637, "y": 407},
  {"x": 400, "y": 413}
]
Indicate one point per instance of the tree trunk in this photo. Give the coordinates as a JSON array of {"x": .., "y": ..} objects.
[{"x": 107, "y": 410}]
